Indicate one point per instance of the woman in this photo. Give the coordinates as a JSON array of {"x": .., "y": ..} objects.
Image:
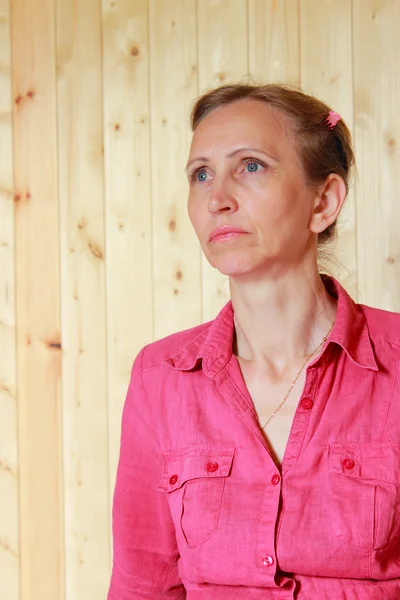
[{"x": 260, "y": 453}]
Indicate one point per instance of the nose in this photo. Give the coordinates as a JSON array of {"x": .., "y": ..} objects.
[{"x": 222, "y": 199}]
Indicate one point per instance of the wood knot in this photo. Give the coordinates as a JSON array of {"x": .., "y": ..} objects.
[
  {"x": 117, "y": 127},
  {"x": 95, "y": 250},
  {"x": 179, "y": 275},
  {"x": 391, "y": 143},
  {"x": 54, "y": 345},
  {"x": 82, "y": 223},
  {"x": 176, "y": 292},
  {"x": 135, "y": 51},
  {"x": 31, "y": 94},
  {"x": 17, "y": 197},
  {"x": 172, "y": 225},
  {"x": 391, "y": 260},
  {"x": 18, "y": 100},
  {"x": 221, "y": 77},
  {"x": 164, "y": 121}
]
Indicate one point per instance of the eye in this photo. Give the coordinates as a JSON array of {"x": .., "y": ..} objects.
[
  {"x": 253, "y": 165},
  {"x": 201, "y": 176},
  {"x": 198, "y": 175}
]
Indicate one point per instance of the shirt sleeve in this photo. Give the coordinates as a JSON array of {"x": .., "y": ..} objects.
[{"x": 145, "y": 552}]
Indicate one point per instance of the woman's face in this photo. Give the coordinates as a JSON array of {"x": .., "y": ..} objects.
[{"x": 248, "y": 200}]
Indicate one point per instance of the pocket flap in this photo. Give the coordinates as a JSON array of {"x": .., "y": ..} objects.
[
  {"x": 192, "y": 463},
  {"x": 375, "y": 461}
]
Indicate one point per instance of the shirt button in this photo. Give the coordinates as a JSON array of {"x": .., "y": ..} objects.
[
  {"x": 173, "y": 479},
  {"x": 268, "y": 560},
  {"x": 212, "y": 466},
  {"x": 348, "y": 463},
  {"x": 275, "y": 479},
  {"x": 307, "y": 403}
]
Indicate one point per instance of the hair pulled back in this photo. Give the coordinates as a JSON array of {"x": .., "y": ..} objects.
[{"x": 321, "y": 150}]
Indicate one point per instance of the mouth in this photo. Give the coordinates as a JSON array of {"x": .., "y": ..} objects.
[
  {"x": 226, "y": 237},
  {"x": 225, "y": 234}
]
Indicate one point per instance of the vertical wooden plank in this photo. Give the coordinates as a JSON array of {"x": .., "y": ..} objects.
[
  {"x": 377, "y": 140},
  {"x": 37, "y": 299},
  {"x": 326, "y": 72},
  {"x": 223, "y": 57},
  {"x": 274, "y": 39},
  {"x": 173, "y": 86},
  {"x": 87, "y": 510},
  {"x": 128, "y": 199},
  {"x": 9, "y": 534}
]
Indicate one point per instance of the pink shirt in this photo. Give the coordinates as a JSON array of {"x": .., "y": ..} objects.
[{"x": 202, "y": 512}]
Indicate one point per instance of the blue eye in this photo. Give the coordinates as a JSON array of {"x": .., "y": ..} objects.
[
  {"x": 252, "y": 167},
  {"x": 201, "y": 176}
]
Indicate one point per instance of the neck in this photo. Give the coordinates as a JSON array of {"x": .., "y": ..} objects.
[{"x": 281, "y": 321}]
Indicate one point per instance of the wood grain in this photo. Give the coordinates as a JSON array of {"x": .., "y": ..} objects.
[
  {"x": 39, "y": 343},
  {"x": 173, "y": 86},
  {"x": 274, "y": 41},
  {"x": 128, "y": 199},
  {"x": 9, "y": 473},
  {"x": 84, "y": 384},
  {"x": 326, "y": 72},
  {"x": 377, "y": 140}
]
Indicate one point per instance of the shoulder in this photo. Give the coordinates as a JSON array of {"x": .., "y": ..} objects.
[
  {"x": 192, "y": 339},
  {"x": 382, "y": 323}
]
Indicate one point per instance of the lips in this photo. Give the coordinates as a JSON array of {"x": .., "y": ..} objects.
[{"x": 226, "y": 233}]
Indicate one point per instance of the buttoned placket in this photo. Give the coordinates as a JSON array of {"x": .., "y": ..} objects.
[{"x": 272, "y": 509}]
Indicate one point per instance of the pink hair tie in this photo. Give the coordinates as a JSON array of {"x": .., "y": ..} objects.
[{"x": 332, "y": 119}]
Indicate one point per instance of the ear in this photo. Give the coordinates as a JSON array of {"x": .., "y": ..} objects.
[{"x": 328, "y": 203}]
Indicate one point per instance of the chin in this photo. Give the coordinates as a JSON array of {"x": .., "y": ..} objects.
[{"x": 233, "y": 266}]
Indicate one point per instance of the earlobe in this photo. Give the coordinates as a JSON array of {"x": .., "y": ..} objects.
[{"x": 328, "y": 203}]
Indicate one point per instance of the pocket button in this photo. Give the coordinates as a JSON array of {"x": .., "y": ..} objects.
[
  {"x": 212, "y": 466},
  {"x": 348, "y": 463},
  {"x": 268, "y": 560},
  {"x": 173, "y": 479}
]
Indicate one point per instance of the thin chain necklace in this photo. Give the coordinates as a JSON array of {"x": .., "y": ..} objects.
[{"x": 297, "y": 376}]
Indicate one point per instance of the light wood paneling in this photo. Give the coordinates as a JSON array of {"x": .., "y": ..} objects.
[
  {"x": 85, "y": 412},
  {"x": 102, "y": 245},
  {"x": 376, "y": 84},
  {"x": 326, "y": 72},
  {"x": 128, "y": 199},
  {"x": 173, "y": 81},
  {"x": 274, "y": 41},
  {"x": 9, "y": 534},
  {"x": 223, "y": 57},
  {"x": 37, "y": 299}
]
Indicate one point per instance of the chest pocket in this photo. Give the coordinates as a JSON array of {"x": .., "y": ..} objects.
[
  {"x": 194, "y": 481},
  {"x": 366, "y": 492}
]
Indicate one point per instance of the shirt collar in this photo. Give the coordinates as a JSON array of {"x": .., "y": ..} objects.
[{"x": 213, "y": 346}]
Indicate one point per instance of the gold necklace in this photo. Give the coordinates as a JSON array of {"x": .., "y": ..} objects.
[{"x": 298, "y": 375}]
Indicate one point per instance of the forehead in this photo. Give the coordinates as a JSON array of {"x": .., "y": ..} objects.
[{"x": 247, "y": 123}]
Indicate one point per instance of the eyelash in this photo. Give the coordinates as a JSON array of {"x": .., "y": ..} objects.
[{"x": 246, "y": 161}]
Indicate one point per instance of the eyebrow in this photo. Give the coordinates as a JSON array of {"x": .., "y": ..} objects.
[{"x": 230, "y": 155}]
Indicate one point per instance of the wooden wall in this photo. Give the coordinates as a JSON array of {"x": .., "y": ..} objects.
[{"x": 97, "y": 253}]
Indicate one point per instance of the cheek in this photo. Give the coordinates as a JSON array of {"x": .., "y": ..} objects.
[{"x": 195, "y": 216}]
